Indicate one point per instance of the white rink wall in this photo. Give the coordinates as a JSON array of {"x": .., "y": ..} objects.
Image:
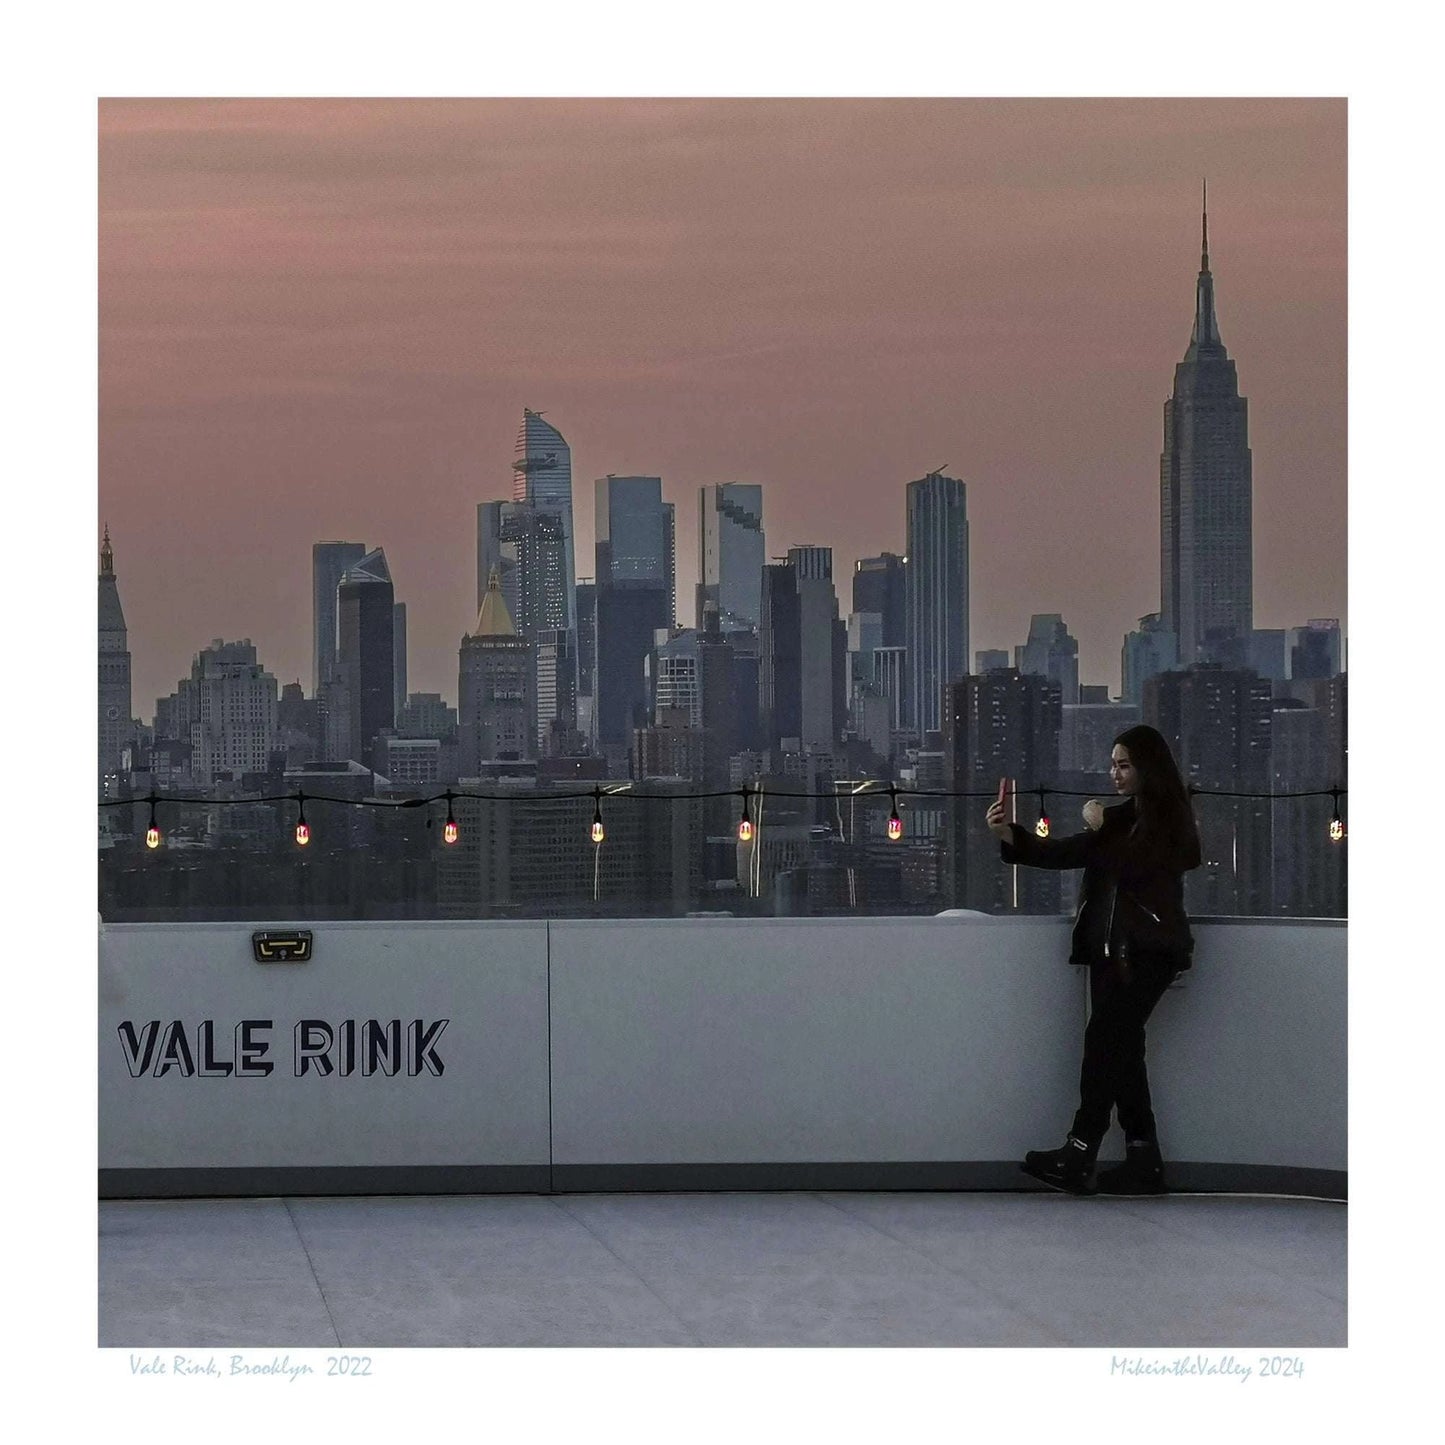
[{"x": 504, "y": 1054}]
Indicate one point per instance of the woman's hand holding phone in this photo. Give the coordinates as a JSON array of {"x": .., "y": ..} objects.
[{"x": 998, "y": 825}]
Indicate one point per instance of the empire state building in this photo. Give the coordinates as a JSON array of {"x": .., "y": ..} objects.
[{"x": 1206, "y": 491}]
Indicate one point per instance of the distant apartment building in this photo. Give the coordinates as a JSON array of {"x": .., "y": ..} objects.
[
  {"x": 1152, "y": 649},
  {"x": 528, "y": 854},
  {"x": 226, "y": 711},
  {"x": 1315, "y": 650},
  {"x": 1003, "y": 724},
  {"x": 1218, "y": 723}
]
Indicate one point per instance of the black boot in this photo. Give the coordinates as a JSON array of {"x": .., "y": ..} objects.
[
  {"x": 1142, "y": 1171},
  {"x": 1069, "y": 1169}
]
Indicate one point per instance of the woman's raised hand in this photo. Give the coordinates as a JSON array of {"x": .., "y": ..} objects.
[
  {"x": 1094, "y": 814},
  {"x": 997, "y": 824}
]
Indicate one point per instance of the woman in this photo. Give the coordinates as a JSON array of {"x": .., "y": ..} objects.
[{"x": 1132, "y": 932}]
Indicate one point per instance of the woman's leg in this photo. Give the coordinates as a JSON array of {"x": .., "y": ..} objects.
[
  {"x": 1131, "y": 1078},
  {"x": 1120, "y": 1002},
  {"x": 1096, "y": 1073}
]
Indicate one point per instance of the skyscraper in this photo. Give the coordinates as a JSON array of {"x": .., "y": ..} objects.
[
  {"x": 880, "y": 585},
  {"x": 632, "y": 605},
  {"x": 398, "y": 658},
  {"x": 631, "y": 532},
  {"x": 1206, "y": 490},
  {"x": 669, "y": 556},
  {"x": 1148, "y": 652},
  {"x": 937, "y": 595},
  {"x": 1051, "y": 652},
  {"x": 731, "y": 553},
  {"x": 496, "y": 715},
  {"x": 366, "y": 659},
  {"x": 525, "y": 544},
  {"x": 115, "y": 719},
  {"x": 543, "y": 475},
  {"x": 803, "y": 648},
  {"x": 556, "y": 689},
  {"x": 329, "y": 561}
]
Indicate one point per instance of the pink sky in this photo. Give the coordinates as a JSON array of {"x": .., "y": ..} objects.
[{"x": 322, "y": 319}]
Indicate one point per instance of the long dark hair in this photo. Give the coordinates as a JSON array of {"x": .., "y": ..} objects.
[{"x": 1165, "y": 818}]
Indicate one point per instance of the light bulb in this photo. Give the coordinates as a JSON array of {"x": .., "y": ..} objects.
[
  {"x": 1042, "y": 826},
  {"x": 745, "y": 824},
  {"x": 1337, "y": 829},
  {"x": 153, "y": 837},
  {"x": 303, "y": 834},
  {"x": 449, "y": 832},
  {"x": 597, "y": 832},
  {"x": 895, "y": 827}
]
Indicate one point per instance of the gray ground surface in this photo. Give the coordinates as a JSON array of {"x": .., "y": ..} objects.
[{"x": 912, "y": 1269}]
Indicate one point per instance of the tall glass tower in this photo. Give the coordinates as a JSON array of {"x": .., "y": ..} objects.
[
  {"x": 935, "y": 595},
  {"x": 365, "y": 654},
  {"x": 542, "y": 474},
  {"x": 1206, "y": 540},
  {"x": 329, "y": 564},
  {"x": 731, "y": 554}
]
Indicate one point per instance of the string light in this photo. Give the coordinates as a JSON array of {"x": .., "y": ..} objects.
[
  {"x": 745, "y": 825},
  {"x": 746, "y": 831}
]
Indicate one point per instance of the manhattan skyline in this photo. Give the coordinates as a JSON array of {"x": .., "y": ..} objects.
[{"x": 322, "y": 319}]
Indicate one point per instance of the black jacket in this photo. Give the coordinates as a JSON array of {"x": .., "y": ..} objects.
[{"x": 1131, "y": 902}]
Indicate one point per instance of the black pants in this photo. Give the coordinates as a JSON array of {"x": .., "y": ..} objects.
[{"x": 1121, "y": 998}]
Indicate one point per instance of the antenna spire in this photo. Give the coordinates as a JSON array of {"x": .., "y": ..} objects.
[{"x": 1204, "y": 246}]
